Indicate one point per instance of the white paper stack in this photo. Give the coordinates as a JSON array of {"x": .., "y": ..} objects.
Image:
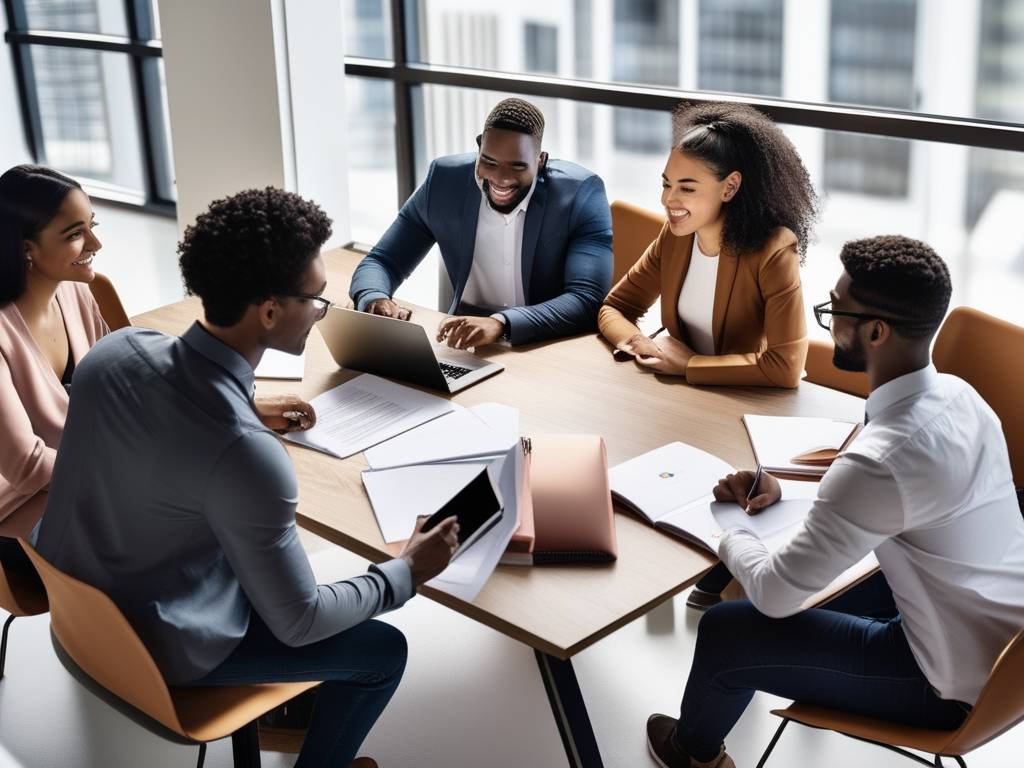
[
  {"x": 776, "y": 440},
  {"x": 276, "y": 364},
  {"x": 365, "y": 411},
  {"x": 416, "y": 472}
]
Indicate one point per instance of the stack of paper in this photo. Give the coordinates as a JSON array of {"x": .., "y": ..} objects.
[
  {"x": 365, "y": 411},
  {"x": 417, "y": 472},
  {"x": 784, "y": 443},
  {"x": 276, "y": 364}
]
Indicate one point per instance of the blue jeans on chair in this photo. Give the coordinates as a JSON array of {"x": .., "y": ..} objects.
[
  {"x": 850, "y": 655},
  {"x": 361, "y": 668}
]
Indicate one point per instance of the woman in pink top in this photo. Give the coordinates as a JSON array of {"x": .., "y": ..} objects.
[{"x": 48, "y": 321}]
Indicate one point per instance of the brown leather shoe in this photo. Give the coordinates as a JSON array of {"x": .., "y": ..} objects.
[
  {"x": 667, "y": 753},
  {"x": 700, "y": 600},
  {"x": 363, "y": 762}
]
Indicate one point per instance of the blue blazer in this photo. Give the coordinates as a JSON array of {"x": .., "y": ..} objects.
[{"x": 566, "y": 257}]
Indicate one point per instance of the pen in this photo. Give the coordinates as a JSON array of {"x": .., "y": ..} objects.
[
  {"x": 753, "y": 487},
  {"x": 295, "y": 415}
]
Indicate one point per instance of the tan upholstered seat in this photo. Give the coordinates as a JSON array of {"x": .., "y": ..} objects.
[
  {"x": 999, "y": 707},
  {"x": 110, "y": 303},
  {"x": 93, "y": 632},
  {"x": 633, "y": 229},
  {"x": 988, "y": 353}
]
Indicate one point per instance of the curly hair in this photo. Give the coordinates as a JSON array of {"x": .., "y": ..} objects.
[
  {"x": 250, "y": 246},
  {"x": 516, "y": 115},
  {"x": 30, "y": 196},
  {"x": 776, "y": 190},
  {"x": 902, "y": 277}
]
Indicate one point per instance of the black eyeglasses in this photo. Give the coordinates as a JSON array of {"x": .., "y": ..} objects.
[
  {"x": 824, "y": 315},
  {"x": 322, "y": 304}
]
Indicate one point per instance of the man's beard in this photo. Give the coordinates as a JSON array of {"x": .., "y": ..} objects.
[
  {"x": 852, "y": 358},
  {"x": 520, "y": 195}
]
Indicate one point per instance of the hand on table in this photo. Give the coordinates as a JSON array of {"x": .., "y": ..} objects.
[
  {"x": 427, "y": 554},
  {"x": 672, "y": 357},
  {"x": 736, "y": 487},
  {"x": 285, "y": 413},
  {"x": 388, "y": 308},
  {"x": 469, "y": 331},
  {"x": 637, "y": 344}
]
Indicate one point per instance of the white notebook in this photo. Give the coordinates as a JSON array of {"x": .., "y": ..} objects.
[{"x": 815, "y": 442}]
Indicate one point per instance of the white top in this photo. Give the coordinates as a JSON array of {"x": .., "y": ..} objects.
[
  {"x": 927, "y": 486},
  {"x": 496, "y": 277},
  {"x": 697, "y": 300}
]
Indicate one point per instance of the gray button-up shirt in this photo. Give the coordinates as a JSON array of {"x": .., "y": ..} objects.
[{"x": 170, "y": 496}]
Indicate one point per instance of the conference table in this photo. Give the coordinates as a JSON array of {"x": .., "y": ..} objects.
[{"x": 566, "y": 386}]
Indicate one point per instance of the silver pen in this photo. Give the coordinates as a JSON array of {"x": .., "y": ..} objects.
[{"x": 753, "y": 488}]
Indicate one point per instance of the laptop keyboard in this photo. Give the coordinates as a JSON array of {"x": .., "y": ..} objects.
[{"x": 453, "y": 371}]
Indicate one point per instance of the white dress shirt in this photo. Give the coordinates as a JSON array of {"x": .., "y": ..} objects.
[
  {"x": 496, "y": 277},
  {"x": 927, "y": 486},
  {"x": 697, "y": 300}
]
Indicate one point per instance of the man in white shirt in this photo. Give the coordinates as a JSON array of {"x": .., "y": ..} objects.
[
  {"x": 926, "y": 486},
  {"x": 525, "y": 241}
]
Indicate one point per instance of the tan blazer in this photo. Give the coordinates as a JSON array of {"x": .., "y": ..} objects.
[
  {"x": 758, "y": 320},
  {"x": 34, "y": 405}
]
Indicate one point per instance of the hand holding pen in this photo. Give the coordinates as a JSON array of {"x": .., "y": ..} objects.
[
  {"x": 285, "y": 413},
  {"x": 754, "y": 491}
]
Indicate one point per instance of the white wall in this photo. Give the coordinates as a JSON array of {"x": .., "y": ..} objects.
[{"x": 234, "y": 122}]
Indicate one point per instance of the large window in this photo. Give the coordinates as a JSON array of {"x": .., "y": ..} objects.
[
  {"x": 92, "y": 93},
  {"x": 908, "y": 113}
]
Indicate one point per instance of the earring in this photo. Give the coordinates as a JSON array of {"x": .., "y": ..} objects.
[{"x": 29, "y": 260}]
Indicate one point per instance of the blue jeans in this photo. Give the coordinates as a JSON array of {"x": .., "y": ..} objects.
[
  {"x": 361, "y": 668},
  {"x": 851, "y": 655}
]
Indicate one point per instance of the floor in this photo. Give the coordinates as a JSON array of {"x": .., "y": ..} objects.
[{"x": 471, "y": 697}]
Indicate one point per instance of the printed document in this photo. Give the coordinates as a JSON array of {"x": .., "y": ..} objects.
[{"x": 365, "y": 411}]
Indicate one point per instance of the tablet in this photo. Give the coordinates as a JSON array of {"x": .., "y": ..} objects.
[{"x": 477, "y": 507}]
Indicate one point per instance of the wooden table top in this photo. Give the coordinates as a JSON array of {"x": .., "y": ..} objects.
[{"x": 566, "y": 386}]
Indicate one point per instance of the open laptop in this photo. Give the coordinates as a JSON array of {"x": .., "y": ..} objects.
[{"x": 399, "y": 349}]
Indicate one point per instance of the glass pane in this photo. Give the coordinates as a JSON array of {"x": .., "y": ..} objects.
[
  {"x": 373, "y": 180},
  {"x": 932, "y": 56},
  {"x": 89, "y": 114},
  {"x": 971, "y": 218},
  {"x": 103, "y": 16},
  {"x": 368, "y": 28}
]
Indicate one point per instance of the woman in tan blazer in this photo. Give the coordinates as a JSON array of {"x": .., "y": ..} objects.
[
  {"x": 48, "y": 321},
  {"x": 739, "y": 206}
]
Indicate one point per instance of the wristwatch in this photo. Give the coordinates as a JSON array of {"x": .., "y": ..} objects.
[{"x": 506, "y": 329}]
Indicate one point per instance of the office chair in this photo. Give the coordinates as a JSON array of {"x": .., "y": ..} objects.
[
  {"x": 819, "y": 370},
  {"x": 98, "y": 646},
  {"x": 20, "y": 595},
  {"x": 633, "y": 229},
  {"x": 998, "y": 709},
  {"x": 110, "y": 303}
]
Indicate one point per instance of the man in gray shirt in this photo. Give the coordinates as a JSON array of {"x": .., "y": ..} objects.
[{"x": 171, "y": 494}]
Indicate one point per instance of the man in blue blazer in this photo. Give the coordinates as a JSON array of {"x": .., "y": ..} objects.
[{"x": 526, "y": 241}]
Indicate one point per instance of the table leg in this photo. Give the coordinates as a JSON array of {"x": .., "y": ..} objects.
[{"x": 570, "y": 711}]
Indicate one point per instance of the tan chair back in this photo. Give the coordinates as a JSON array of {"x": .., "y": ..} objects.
[
  {"x": 633, "y": 229},
  {"x": 820, "y": 370},
  {"x": 1000, "y": 705},
  {"x": 988, "y": 353},
  {"x": 110, "y": 303},
  {"x": 96, "y": 635}
]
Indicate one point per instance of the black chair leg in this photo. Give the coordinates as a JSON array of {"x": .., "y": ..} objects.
[
  {"x": 3, "y": 645},
  {"x": 772, "y": 743},
  {"x": 245, "y": 746},
  {"x": 959, "y": 760},
  {"x": 202, "y": 756}
]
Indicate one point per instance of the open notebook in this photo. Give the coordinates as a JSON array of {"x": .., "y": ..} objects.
[
  {"x": 670, "y": 487},
  {"x": 798, "y": 445}
]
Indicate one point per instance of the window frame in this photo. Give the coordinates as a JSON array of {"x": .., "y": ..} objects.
[
  {"x": 142, "y": 49},
  {"x": 405, "y": 73}
]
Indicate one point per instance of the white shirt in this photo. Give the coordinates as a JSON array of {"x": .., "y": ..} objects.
[
  {"x": 927, "y": 486},
  {"x": 496, "y": 277},
  {"x": 697, "y": 300}
]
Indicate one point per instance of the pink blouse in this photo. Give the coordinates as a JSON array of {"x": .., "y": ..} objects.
[{"x": 34, "y": 404}]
